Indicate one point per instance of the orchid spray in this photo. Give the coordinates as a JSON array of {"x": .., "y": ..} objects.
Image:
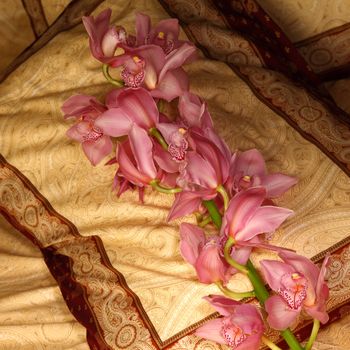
[{"x": 185, "y": 157}]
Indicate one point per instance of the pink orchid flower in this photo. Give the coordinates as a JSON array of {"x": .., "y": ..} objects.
[
  {"x": 202, "y": 167},
  {"x": 299, "y": 284},
  {"x": 241, "y": 327},
  {"x": 165, "y": 34},
  {"x": 128, "y": 107},
  {"x": 248, "y": 169},
  {"x": 245, "y": 218},
  {"x": 204, "y": 254},
  {"x": 86, "y": 109},
  {"x": 149, "y": 67},
  {"x": 206, "y": 166},
  {"x": 135, "y": 158},
  {"x": 104, "y": 38}
]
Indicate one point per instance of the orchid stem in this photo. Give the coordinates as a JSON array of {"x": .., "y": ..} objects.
[
  {"x": 158, "y": 136},
  {"x": 234, "y": 295},
  {"x": 260, "y": 290},
  {"x": 155, "y": 184},
  {"x": 105, "y": 70},
  {"x": 227, "y": 253},
  {"x": 290, "y": 339},
  {"x": 205, "y": 221},
  {"x": 213, "y": 212},
  {"x": 269, "y": 343},
  {"x": 315, "y": 329},
  {"x": 224, "y": 194}
]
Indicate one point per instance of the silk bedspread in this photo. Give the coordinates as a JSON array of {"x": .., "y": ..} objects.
[{"x": 71, "y": 250}]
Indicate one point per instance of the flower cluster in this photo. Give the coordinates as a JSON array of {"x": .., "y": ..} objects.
[{"x": 186, "y": 157}]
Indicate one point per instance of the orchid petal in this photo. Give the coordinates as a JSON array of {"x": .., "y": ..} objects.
[
  {"x": 190, "y": 108},
  {"x": 276, "y": 184},
  {"x": 303, "y": 265},
  {"x": 255, "y": 243},
  {"x": 139, "y": 106},
  {"x": 128, "y": 169},
  {"x": 211, "y": 331},
  {"x": 248, "y": 317},
  {"x": 321, "y": 277},
  {"x": 242, "y": 207},
  {"x": 96, "y": 150},
  {"x": 112, "y": 98},
  {"x": 177, "y": 58},
  {"x": 318, "y": 311},
  {"x": 164, "y": 160},
  {"x": 185, "y": 203},
  {"x": 221, "y": 304},
  {"x": 192, "y": 239},
  {"x": 280, "y": 316},
  {"x": 169, "y": 179},
  {"x": 79, "y": 105},
  {"x": 143, "y": 27},
  {"x": 142, "y": 149},
  {"x": 114, "y": 122},
  {"x": 96, "y": 29},
  {"x": 167, "y": 130},
  {"x": 200, "y": 171},
  {"x": 172, "y": 85},
  {"x": 251, "y": 163},
  {"x": 78, "y": 131},
  {"x": 210, "y": 266},
  {"x": 241, "y": 254},
  {"x": 220, "y": 143},
  {"x": 265, "y": 219},
  {"x": 168, "y": 26},
  {"x": 273, "y": 271},
  {"x": 212, "y": 154},
  {"x": 250, "y": 343},
  {"x": 109, "y": 42}
]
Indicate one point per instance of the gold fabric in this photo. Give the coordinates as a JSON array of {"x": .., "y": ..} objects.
[
  {"x": 139, "y": 242},
  {"x": 53, "y": 8},
  {"x": 15, "y": 31},
  {"x": 302, "y": 19}
]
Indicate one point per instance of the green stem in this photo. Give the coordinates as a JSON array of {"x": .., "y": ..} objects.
[
  {"x": 159, "y": 137},
  {"x": 155, "y": 184},
  {"x": 214, "y": 212},
  {"x": 290, "y": 339},
  {"x": 204, "y": 222},
  {"x": 227, "y": 253},
  {"x": 234, "y": 295},
  {"x": 105, "y": 70},
  {"x": 269, "y": 343},
  {"x": 315, "y": 329},
  {"x": 260, "y": 290},
  {"x": 224, "y": 194}
]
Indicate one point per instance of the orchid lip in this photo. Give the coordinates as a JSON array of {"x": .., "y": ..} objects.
[
  {"x": 293, "y": 289},
  {"x": 233, "y": 335}
]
